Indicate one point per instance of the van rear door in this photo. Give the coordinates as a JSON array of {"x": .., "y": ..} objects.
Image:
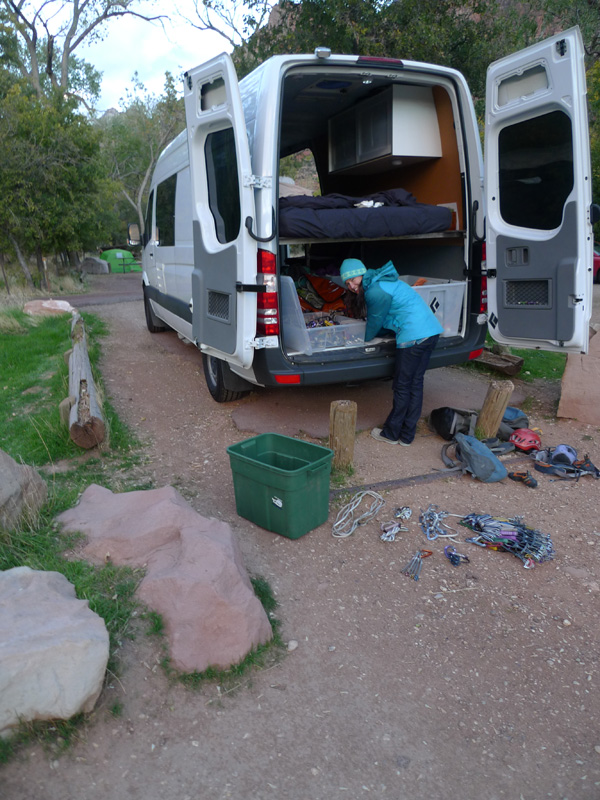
[
  {"x": 223, "y": 318},
  {"x": 538, "y": 192}
]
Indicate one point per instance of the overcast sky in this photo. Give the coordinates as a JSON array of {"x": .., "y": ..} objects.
[{"x": 131, "y": 44}]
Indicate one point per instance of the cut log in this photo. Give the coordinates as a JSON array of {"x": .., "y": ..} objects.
[
  {"x": 86, "y": 423},
  {"x": 501, "y": 362},
  {"x": 342, "y": 430},
  {"x": 493, "y": 409}
]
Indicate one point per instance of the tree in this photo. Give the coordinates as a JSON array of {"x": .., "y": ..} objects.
[
  {"x": 39, "y": 40},
  {"x": 52, "y": 187},
  {"x": 136, "y": 137}
]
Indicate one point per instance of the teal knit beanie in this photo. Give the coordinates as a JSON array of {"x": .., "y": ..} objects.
[{"x": 351, "y": 268}]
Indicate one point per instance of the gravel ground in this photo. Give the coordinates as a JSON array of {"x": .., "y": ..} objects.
[{"x": 478, "y": 681}]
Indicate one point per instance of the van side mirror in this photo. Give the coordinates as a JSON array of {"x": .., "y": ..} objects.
[{"x": 133, "y": 235}]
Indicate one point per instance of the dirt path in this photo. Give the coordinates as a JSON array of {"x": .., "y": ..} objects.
[{"x": 477, "y": 682}]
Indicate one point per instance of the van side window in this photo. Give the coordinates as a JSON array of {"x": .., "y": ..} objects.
[
  {"x": 536, "y": 171},
  {"x": 148, "y": 220},
  {"x": 165, "y": 211},
  {"x": 223, "y": 185}
]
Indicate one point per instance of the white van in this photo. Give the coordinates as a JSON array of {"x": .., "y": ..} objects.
[{"x": 230, "y": 265}]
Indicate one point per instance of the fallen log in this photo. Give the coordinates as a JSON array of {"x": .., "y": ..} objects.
[
  {"x": 501, "y": 362},
  {"x": 86, "y": 423}
]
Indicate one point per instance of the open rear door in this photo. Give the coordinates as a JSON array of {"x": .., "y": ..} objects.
[
  {"x": 538, "y": 191},
  {"x": 223, "y": 319}
]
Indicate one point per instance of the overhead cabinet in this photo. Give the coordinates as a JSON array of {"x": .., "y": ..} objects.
[{"x": 397, "y": 126}]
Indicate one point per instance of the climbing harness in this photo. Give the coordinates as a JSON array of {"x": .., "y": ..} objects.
[
  {"x": 432, "y": 523},
  {"x": 413, "y": 568},
  {"x": 512, "y": 535},
  {"x": 346, "y": 522}
]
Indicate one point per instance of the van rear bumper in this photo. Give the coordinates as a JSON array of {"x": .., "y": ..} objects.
[{"x": 271, "y": 367}]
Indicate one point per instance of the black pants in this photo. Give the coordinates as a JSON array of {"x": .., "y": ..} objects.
[{"x": 409, "y": 373}]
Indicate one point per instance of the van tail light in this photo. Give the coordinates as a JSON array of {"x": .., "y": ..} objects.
[
  {"x": 267, "y": 302},
  {"x": 483, "y": 300}
]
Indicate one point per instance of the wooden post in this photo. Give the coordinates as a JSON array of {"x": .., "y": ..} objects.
[
  {"x": 86, "y": 424},
  {"x": 494, "y": 406},
  {"x": 342, "y": 430}
]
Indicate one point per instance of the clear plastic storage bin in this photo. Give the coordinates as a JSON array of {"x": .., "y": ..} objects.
[
  {"x": 300, "y": 339},
  {"x": 444, "y": 298}
]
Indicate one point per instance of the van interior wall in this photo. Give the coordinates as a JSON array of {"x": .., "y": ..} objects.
[
  {"x": 424, "y": 258},
  {"x": 432, "y": 181}
]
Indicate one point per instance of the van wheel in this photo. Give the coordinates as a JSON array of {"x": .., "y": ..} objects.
[
  {"x": 153, "y": 324},
  {"x": 213, "y": 374}
]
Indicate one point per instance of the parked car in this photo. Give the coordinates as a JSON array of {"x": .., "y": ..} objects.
[{"x": 596, "y": 263}]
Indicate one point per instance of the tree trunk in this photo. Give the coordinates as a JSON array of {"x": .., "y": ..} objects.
[
  {"x": 4, "y": 275},
  {"x": 21, "y": 261},
  {"x": 342, "y": 431},
  {"x": 86, "y": 424},
  {"x": 41, "y": 268},
  {"x": 494, "y": 406}
]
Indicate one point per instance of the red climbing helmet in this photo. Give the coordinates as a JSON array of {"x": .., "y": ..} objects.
[{"x": 525, "y": 439}]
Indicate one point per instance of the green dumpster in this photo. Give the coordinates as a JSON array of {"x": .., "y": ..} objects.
[{"x": 120, "y": 261}]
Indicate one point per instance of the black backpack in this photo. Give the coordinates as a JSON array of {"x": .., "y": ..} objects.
[{"x": 447, "y": 422}]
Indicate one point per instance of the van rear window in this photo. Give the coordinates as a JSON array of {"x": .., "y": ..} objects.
[{"x": 536, "y": 170}]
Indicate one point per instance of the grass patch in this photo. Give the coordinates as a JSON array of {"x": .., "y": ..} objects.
[
  {"x": 541, "y": 365},
  {"x": 34, "y": 379},
  {"x": 341, "y": 475},
  {"x": 537, "y": 364}
]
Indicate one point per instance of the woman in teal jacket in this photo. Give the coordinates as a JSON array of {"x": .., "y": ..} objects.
[{"x": 393, "y": 305}]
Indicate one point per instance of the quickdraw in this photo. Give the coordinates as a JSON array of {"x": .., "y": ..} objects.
[
  {"x": 432, "y": 523},
  {"x": 529, "y": 545},
  {"x": 390, "y": 529},
  {"x": 413, "y": 568}
]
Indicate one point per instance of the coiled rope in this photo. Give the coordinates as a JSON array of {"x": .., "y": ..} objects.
[{"x": 346, "y": 522}]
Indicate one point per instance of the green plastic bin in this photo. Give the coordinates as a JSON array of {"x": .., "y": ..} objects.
[{"x": 281, "y": 483}]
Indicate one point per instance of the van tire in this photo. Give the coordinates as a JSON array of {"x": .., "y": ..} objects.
[
  {"x": 214, "y": 374},
  {"x": 153, "y": 323}
]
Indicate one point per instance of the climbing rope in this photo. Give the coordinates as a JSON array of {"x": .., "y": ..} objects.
[{"x": 347, "y": 522}]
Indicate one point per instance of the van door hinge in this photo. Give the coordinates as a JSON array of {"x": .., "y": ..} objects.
[
  {"x": 263, "y": 341},
  {"x": 491, "y": 273},
  {"x": 258, "y": 181}
]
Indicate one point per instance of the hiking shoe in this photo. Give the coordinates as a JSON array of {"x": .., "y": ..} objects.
[
  {"x": 377, "y": 433},
  {"x": 523, "y": 477},
  {"x": 585, "y": 465}
]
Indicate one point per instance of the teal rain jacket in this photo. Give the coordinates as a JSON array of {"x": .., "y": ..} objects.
[{"x": 394, "y": 305}]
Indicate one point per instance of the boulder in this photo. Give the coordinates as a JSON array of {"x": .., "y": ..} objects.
[
  {"x": 22, "y": 492},
  {"x": 580, "y": 387},
  {"x": 92, "y": 265},
  {"x": 47, "y": 308},
  {"x": 195, "y": 577},
  {"x": 53, "y": 649}
]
